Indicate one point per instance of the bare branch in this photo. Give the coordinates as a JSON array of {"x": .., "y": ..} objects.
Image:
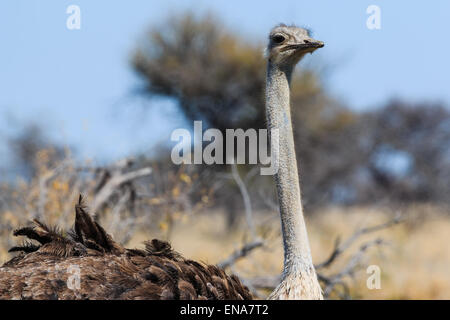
[
  {"x": 340, "y": 248},
  {"x": 332, "y": 282},
  {"x": 246, "y": 198},
  {"x": 240, "y": 253},
  {"x": 349, "y": 269},
  {"x": 115, "y": 213},
  {"x": 118, "y": 178}
]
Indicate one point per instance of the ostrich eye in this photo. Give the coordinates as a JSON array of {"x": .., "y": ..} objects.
[{"x": 278, "y": 38}]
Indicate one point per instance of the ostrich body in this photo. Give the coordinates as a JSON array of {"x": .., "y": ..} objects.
[
  {"x": 106, "y": 270},
  {"x": 88, "y": 264}
]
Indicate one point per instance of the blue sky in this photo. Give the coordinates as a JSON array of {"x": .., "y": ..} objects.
[{"x": 76, "y": 82}]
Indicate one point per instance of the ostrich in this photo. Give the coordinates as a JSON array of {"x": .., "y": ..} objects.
[
  {"x": 287, "y": 45},
  {"x": 86, "y": 263}
]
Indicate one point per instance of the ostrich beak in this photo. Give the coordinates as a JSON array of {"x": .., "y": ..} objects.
[
  {"x": 317, "y": 44},
  {"x": 306, "y": 46}
]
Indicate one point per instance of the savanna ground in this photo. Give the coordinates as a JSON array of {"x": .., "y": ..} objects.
[{"x": 414, "y": 257}]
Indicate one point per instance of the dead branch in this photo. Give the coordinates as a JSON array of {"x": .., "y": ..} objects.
[
  {"x": 115, "y": 213},
  {"x": 240, "y": 253},
  {"x": 331, "y": 283},
  {"x": 117, "y": 179},
  {"x": 349, "y": 269},
  {"x": 340, "y": 248},
  {"x": 246, "y": 198}
]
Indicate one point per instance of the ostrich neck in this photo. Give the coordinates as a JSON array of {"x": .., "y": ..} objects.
[{"x": 297, "y": 254}]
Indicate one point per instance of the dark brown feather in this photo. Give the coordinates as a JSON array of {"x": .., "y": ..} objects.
[{"x": 106, "y": 269}]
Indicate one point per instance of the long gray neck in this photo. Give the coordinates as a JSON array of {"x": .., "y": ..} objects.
[{"x": 297, "y": 254}]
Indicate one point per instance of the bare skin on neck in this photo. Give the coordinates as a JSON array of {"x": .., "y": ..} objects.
[{"x": 286, "y": 47}]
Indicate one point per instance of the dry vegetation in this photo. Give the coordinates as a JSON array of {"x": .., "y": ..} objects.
[
  {"x": 414, "y": 255},
  {"x": 414, "y": 261}
]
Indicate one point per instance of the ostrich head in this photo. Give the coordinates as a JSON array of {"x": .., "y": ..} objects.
[{"x": 288, "y": 44}]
